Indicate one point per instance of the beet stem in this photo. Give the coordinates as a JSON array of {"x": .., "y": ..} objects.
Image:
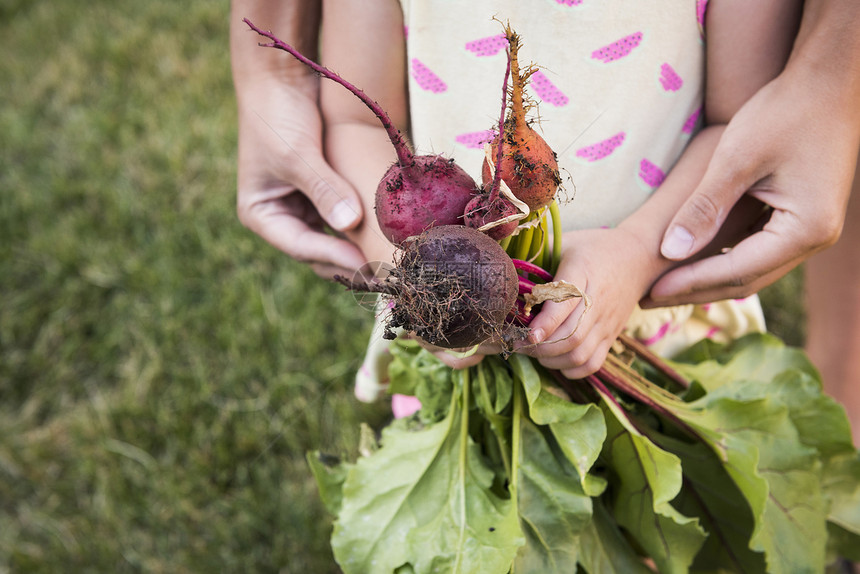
[
  {"x": 524, "y": 243},
  {"x": 520, "y": 314},
  {"x": 601, "y": 389},
  {"x": 497, "y": 176},
  {"x": 645, "y": 354},
  {"x": 404, "y": 155},
  {"x": 532, "y": 269},
  {"x": 604, "y": 375},
  {"x": 555, "y": 216},
  {"x": 525, "y": 286},
  {"x": 517, "y": 105},
  {"x": 538, "y": 238}
]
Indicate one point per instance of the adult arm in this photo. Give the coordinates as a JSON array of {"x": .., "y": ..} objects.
[
  {"x": 287, "y": 192},
  {"x": 792, "y": 146},
  {"x": 577, "y": 342}
]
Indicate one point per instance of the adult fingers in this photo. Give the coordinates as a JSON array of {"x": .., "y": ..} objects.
[
  {"x": 332, "y": 196},
  {"x": 730, "y": 173},
  {"x": 750, "y": 266},
  {"x": 666, "y": 295},
  {"x": 302, "y": 242}
]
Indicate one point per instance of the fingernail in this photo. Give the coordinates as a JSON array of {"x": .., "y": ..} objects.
[
  {"x": 342, "y": 215},
  {"x": 677, "y": 244},
  {"x": 537, "y": 336}
]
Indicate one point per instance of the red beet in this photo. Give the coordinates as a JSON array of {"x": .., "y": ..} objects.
[
  {"x": 428, "y": 191},
  {"x": 482, "y": 210}
]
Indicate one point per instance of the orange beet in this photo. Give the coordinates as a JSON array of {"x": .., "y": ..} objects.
[{"x": 529, "y": 166}]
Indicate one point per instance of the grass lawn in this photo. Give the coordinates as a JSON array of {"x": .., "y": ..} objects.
[{"x": 162, "y": 370}]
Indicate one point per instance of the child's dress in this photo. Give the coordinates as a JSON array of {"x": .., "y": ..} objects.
[{"x": 619, "y": 95}]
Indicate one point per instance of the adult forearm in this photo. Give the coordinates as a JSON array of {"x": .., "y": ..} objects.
[
  {"x": 826, "y": 54},
  {"x": 649, "y": 221},
  {"x": 296, "y": 22}
]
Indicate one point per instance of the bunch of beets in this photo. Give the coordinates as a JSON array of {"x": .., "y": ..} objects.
[{"x": 454, "y": 285}]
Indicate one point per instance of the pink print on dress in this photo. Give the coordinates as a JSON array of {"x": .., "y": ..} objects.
[
  {"x": 691, "y": 122},
  {"x": 489, "y": 46},
  {"x": 661, "y": 332},
  {"x": 547, "y": 91},
  {"x": 701, "y": 8},
  {"x": 475, "y": 140},
  {"x": 569, "y": 2},
  {"x": 669, "y": 79},
  {"x": 601, "y": 149},
  {"x": 426, "y": 79},
  {"x": 652, "y": 175},
  {"x": 617, "y": 50}
]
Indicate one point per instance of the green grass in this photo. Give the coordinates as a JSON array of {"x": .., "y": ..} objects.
[{"x": 162, "y": 370}]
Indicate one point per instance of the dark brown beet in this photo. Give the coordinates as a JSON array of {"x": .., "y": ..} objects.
[
  {"x": 453, "y": 287},
  {"x": 459, "y": 284}
]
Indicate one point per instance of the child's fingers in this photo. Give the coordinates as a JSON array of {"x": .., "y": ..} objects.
[
  {"x": 567, "y": 336},
  {"x": 594, "y": 362},
  {"x": 582, "y": 361},
  {"x": 570, "y": 352},
  {"x": 546, "y": 326},
  {"x": 454, "y": 357}
]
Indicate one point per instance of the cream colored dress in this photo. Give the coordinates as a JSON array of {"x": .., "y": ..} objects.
[{"x": 619, "y": 95}]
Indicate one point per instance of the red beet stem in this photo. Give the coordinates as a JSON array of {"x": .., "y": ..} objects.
[
  {"x": 404, "y": 155},
  {"x": 497, "y": 177},
  {"x": 618, "y": 383},
  {"x": 653, "y": 360},
  {"x": 598, "y": 385},
  {"x": 532, "y": 268},
  {"x": 525, "y": 286},
  {"x": 520, "y": 314}
]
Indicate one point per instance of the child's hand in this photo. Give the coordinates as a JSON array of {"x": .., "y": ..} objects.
[{"x": 613, "y": 267}]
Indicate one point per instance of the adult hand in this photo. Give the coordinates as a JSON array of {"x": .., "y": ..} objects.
[
  {"x": 287, "y": 192},
  {"x": 788, "y": 147}
]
